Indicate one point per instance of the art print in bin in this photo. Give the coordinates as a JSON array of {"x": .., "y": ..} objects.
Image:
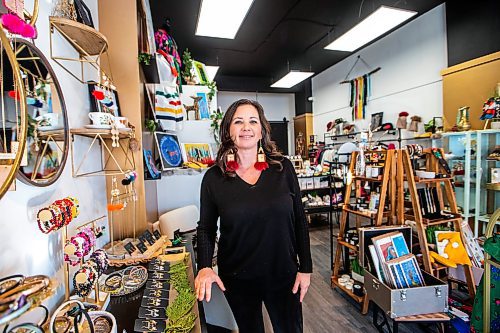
[
  {"x": 412, "y": 276},
  {"x": 170, "y": 150},
  {"x": 395, "y": 276},
  {"x": 401, "y": 275},
  {"x": 400, "y": 246}
]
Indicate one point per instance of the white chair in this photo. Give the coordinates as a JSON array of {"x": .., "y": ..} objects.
[{"x": 184, "y": 219}]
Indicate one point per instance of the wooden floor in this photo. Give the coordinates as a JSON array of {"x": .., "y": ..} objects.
[{"x": 326, "y": 309}]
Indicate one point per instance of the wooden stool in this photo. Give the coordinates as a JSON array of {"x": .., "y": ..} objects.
[{"x": 440, "y": 319}]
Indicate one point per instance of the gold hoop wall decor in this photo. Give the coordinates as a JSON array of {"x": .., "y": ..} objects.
[{"x": 13, "y": 118}]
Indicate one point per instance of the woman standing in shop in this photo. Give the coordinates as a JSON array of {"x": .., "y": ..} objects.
[{"x": 263, "y": 251}]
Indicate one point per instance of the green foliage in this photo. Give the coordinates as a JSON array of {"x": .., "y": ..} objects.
[
  {"x": 216, "y": 118},
  {"x": 150, "y": 125},
  {"x": 356, "y": 267},
  {"x": 180, "y": 317},
  {"x": 431, "y": 236},
  {"x": 145, "y": 58},
  {"x": 213, "y": 89},
  {"x": 187, "y": 64},
  {"x": 31, "y": 125}
]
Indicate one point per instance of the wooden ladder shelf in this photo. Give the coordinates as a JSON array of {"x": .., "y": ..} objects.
[
  {"x": 387, "y": 183},
  {"x": 445, "y": 194}
]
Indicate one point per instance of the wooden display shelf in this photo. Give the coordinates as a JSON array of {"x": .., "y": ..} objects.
[
  {"x": 438, "y": 267},
  {"x": 369, "y": 179},
  {"x": 103, "y": 133},
  {"x": 428, "y": 222},
  {"x": 325, "y": 208},
  {"x": 493, "y": 186},
  {"x": 439, "y": 317},
  {"x": 56, "y": 135},
  {"x": 344, "y": 243},
  {"x": 359, "y": 299},
  {"x": 429, "y": 180},
  {"x": 368, "y": 215},
  {"x": 86, "y": 40}
]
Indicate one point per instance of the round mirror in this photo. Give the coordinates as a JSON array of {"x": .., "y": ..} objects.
[
  {"x": 47, "y": 133},
  {"x": 12, "y": 115}
]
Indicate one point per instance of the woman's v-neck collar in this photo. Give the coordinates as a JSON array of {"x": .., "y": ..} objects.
[{"x": 251, "y": 185}]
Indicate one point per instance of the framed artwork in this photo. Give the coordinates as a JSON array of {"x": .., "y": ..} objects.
[
  {"x": 203, "y": 106},
  {"x": 199, "y": 152},
  {"x": 149, "y": 161},
  {"x": 169, "y": 149},
  {"x": 103, "y": 100},
  {"x": 412, "y": 273},
  {"x": 376, "y": 121},
  {"x": 201, "y": 72}
]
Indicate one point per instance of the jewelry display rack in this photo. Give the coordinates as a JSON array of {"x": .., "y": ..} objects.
[
  {"x": 100, "y": 298},
  {"x": 387, "y": 181},
  {"x": 118, "y": 198},
  {"x": 446, "y": 194}
]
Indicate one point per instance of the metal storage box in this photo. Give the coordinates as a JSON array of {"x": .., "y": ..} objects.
[{"x": 395, "y": 303}]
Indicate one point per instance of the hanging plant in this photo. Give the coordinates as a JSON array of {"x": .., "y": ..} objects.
[
  {"x": 145, "y": 58},
  {"x": 216, "y": 118},
  {"x": 213, "y": 89}
]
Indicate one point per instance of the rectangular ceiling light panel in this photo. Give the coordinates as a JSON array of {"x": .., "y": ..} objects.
[
  {"x": 291, "y": 79},
  {"x": 375, "y": 25},
  {"x": 221, "y": 18}
]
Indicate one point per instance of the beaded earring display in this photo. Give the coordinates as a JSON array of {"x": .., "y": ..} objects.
[
  {"x": 231, "y": 163},
  {"x": 261, "y": 163}
]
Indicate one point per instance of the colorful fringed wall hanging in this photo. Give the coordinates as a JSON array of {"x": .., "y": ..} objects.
[{"x": 360, "y": 91}]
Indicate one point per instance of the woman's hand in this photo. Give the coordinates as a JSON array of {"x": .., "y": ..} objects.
[
  {"x": 303, "y": 280},
  {"x": 203, "y": 283}
]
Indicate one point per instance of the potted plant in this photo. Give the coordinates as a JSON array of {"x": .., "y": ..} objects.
[
  {"x": 187, "y": 71},
  {"x": 149, "y": 67}
]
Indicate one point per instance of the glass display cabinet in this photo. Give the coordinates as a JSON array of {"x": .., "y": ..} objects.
[{"x": 474, "y": 159}]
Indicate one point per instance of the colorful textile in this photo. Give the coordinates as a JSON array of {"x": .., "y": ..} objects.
[
  {"x": 490, "y": 246},
  {"x": 360, "y": 91},
  {"x": 166, "y": 45},
  {"x": 168, "y": 107}
]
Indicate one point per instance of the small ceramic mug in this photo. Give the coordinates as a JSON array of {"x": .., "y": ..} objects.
[{"x": 101, "y": 118}]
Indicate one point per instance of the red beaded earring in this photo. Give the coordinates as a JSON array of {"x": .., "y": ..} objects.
[
  {"x": 261, "y": 163},
  {"x": 231, "y": 163}
]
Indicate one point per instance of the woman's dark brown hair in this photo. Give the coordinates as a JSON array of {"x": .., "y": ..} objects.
[{"x": 273, "y": 156}]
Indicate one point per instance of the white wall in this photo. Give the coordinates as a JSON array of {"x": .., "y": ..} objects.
[
  {"x": 411, "y": 59},
  {"x": 182, "y": 187},
  {"x": 23, "y": 248}
]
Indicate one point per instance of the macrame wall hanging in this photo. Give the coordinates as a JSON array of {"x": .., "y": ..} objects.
[{"x": 360, "y": 90}]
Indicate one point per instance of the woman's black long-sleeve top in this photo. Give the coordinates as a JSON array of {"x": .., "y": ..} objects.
[{"x": 263, "y": 229}]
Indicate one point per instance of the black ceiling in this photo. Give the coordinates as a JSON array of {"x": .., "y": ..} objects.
[{"x": 275, "y": 35}]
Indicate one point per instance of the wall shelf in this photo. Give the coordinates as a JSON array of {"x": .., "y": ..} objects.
[
  {"x": 121, "y": 156},
  {"x": 88, "y": 42}
]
